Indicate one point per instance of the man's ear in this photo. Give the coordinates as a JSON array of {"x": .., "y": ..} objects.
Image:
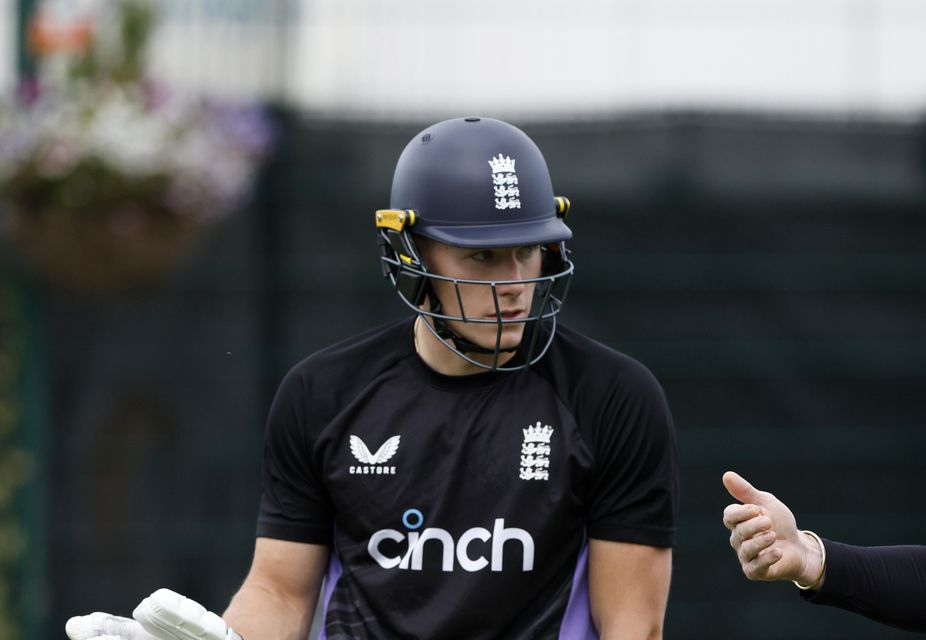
[{"x": 552, "y": 260}]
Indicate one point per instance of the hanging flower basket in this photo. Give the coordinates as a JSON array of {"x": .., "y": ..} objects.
[
  {"x": 118, "y": 250},
  {"x": 108, "y": 177}
]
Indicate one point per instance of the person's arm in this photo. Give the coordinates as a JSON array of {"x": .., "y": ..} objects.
[
  {"x": 628, "y": 587},
  {"x": 279, "y": 594},
  {"x": 887, "y": 584}
]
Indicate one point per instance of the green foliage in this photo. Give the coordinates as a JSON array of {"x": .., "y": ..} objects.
[{"x": 120, "y": 59}]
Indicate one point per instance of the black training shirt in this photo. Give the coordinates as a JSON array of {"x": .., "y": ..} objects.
[{"x": 460, "y": 506}]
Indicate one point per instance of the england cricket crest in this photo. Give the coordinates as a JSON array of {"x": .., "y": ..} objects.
[
  {"x": 535, "y": 452},
  {"x": 505, "y": 181}
]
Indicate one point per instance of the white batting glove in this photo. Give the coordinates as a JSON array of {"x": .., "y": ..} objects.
[
  {"x": 164, "y": 615},
  {"x": 103, "y": 626}
]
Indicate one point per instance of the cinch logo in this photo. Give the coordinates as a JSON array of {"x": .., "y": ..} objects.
[{"x": 466, "y": 551}]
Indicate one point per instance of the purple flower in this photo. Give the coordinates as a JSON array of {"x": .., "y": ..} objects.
[{"x": 28, "y": 92}]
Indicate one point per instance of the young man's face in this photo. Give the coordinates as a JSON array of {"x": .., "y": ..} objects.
[{"x": 514, "y": 300}]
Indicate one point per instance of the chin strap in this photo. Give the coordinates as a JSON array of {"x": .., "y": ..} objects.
[
  {"x": 445, "y": 333},
  {"x": 460, "y": 343}
]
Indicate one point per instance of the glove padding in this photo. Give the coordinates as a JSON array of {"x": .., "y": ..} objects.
[
  {"x": 164, "y": 615},
  {"x": 103, "y": 626}
]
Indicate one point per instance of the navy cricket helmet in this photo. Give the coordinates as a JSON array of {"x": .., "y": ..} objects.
[{"x": 476, "y": 183}]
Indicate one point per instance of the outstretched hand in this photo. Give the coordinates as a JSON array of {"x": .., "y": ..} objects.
[{"x": 764, "y": 534}]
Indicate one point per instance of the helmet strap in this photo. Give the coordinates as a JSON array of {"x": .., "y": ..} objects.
[
  {"x": 462, "y": 344},
  {"x": 445, "y": 333}
]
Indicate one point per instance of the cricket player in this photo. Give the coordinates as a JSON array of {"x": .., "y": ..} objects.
[{"x": 476, "y": 470}]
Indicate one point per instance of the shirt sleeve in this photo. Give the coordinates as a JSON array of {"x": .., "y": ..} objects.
[
  {"x": 887, "y": 584},
  {"x": 294, "y": 503},
  {"x": 633, "y": 494}
]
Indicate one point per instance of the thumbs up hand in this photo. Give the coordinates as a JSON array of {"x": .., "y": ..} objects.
[{"x": 764, "y": 534}]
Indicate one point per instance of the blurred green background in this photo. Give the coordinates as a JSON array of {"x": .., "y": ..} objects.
[{"x": 767, "y": 265}]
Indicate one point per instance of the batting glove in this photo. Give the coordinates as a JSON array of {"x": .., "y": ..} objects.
[{"x": 164, "y": 615}]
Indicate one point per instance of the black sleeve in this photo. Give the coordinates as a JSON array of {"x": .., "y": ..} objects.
[
  {"x": 633, "y": 497},
  {"x": 887, "y": 584},
  {"x": 294, "y": 504}
]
